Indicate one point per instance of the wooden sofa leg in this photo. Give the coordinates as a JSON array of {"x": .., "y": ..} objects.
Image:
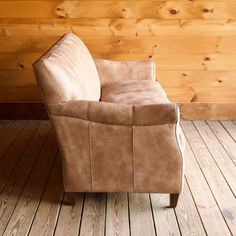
[
  {"x": 174, "y": 199},
  {"x": 69, "y": 198}
]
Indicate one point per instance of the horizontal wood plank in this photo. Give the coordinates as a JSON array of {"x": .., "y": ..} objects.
[
  {"x": 117, "y": 27},
  {"x": 118, "y": 9},
  {"x": 28, "y": 43},
  {"x": 167, "y": 78},
  {"x": 205, "y": 62}
]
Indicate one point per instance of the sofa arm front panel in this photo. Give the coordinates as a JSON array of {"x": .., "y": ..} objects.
[
  {"x": 113, "y": 71},
  {"x": 156, "y": 114},
  {"x": 74, "y": 143},
  {"x": 158, "y": 159}
]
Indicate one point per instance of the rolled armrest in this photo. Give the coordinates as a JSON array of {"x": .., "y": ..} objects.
[
  {"x": 101, "y": 112},
  {"x": 113, "y": 71},
  {"x": 118, "y": 114}
]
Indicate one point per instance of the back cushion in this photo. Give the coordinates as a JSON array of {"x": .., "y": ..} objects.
[{"x": 67, "y": 72}]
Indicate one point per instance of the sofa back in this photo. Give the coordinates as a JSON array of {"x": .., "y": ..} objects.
[{"x": 67, "y": 72}]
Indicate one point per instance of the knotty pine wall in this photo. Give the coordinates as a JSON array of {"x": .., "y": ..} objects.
[{"x": 192, "y": 42}]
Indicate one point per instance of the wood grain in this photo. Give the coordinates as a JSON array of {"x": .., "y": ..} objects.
[
  {"x": 124, "y": 44},
  {"x": 70, "y": 217},
  {"x": 117, "y": 217},
  {"x": 164, "y": 218},
  {"x": 13, "y": 155},
  {"x": 186, "y": 209},
  {"x": 230, "y": 127},
  {"x": 93, "y": 219},
  {"x": 118, "y": 9},
  {"x": 9, "y": 137},
  {"x": 219, "y": 154},
  {"x": 11, "y": 192},
  {"x": 225, "y": 139},
  {"x": 26, "y": 207},
  {"x": 117, "y": 27},
  {"x": 141, "y": 222},
  {"x": 206, "y": 205},
  {"x": 222, "y": 192},
  {"x": 45, "y": 219},
  {"x": 210, "y": 111}
]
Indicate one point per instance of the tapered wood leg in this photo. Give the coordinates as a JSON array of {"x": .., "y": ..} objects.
[
  {"x": 174, "y": 199},
  {"x": 69, "y": 198}
]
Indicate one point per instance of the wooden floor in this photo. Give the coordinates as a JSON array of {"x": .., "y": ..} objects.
[{"x": 32, "y": 195}]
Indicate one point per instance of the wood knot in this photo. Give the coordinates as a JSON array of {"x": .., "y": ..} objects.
[
  {"x": 173, "y": 11},
  {"x": 194, "y": 98},
  {"x": 184, "y": 74},
  {"x": 21, "y": 66},
  {"x": 60, "y": 9},
  {"x": 207, "y": 58},
  {"x": 206, "y": 10},
  {"x": 220, "y": 81}
]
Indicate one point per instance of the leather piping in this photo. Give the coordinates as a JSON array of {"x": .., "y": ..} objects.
[{"x": 180, "y": 151}]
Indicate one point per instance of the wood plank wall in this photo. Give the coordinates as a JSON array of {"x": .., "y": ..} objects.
[{"x": 192, "y": 42}]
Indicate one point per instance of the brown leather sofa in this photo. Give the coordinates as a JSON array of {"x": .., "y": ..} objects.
[{"x": 116, "y": 129}]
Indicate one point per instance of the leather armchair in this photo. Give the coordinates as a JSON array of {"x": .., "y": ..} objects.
[{"x": 115, "y": 127}]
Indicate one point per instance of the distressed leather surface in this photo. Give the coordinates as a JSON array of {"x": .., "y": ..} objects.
[
  {"x": 116, "y": 133},
  {"x": 68, "y": 72},
  {"x": 137, "y": 92},
  {"x": 115, "y": 71}
]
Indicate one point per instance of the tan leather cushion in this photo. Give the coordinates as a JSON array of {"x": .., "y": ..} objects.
[
  {"x": 113, "y": 71},
  {"x": 68, "y": 72},
  {"x": 134, "y": 92}
]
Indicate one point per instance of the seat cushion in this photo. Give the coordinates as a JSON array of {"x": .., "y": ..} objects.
[{"x": 134, "y": 92}]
